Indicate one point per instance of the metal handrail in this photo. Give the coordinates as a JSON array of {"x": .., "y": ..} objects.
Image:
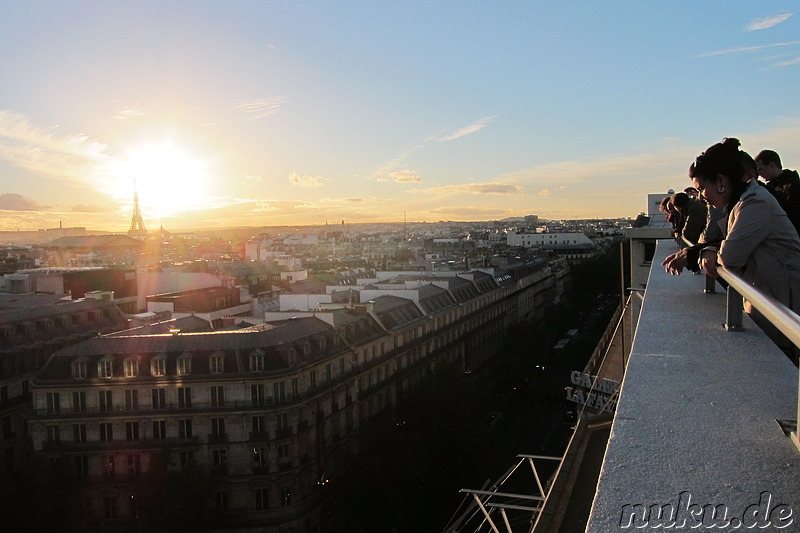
[{"x": 780, "y": 316}]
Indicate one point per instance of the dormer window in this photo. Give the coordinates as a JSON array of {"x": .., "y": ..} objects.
[
  {"x": 184, "y": 365},
  {"x": 131, "y": 368},
  {"x": 257, "y": 361},
  {"x": 216, "y": 364},
  {"x": 79, "y": 369},
  {"x": 105, "y": 368},
  {"x": 158, "y": 366}
]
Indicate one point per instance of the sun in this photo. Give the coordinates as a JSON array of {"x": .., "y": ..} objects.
[{"x": 168, "y": 179}]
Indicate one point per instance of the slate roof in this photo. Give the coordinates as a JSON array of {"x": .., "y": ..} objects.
[
  {"x": 282, "y": 344},
  {"x": 95, "y": 241}
]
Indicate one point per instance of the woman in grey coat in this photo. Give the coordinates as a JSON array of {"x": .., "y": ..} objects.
[{"x": 760, "y": 242}]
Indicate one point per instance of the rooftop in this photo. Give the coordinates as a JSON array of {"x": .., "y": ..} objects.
[{"x": 697, "y": 420}]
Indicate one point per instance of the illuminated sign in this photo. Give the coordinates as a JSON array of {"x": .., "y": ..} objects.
[{"x": 592, "y": 391}]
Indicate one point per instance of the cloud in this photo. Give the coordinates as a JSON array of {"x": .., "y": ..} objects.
[
  {"x": 787, "y": 63},
  {"x": 544, "y": 192},
  {"x": 261, "y": 108},
  {"x": 464, "y": 211},
  {"x": 80, "y": 208},
  {"x": 16, "y": 202},
  {"x": 127, "y": 114},
  {"x": 350, "y": 200},
  {"x": 403, "y": 176},
  {"x": 308, "y": 182},
  {"x": 252, "y": 180},
  {"x": 67, "y": 157},
  {"x": 767, "y": 22},
  {"x": 474, "y": 188},
  {"x": 748, "y": 49},
  {"x": 472, "y": 128}
]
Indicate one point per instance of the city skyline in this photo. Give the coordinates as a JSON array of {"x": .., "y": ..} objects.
[{"x": 288, "y": 113}]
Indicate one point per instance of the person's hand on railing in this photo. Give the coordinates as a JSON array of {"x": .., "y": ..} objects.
[
  {"x": 675, "y": 263},
  {"x": 708, "y": 262}
]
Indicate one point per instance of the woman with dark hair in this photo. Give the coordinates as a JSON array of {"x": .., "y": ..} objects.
[{"x": 760, "y": 243}]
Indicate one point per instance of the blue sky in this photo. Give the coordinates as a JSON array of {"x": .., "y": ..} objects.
[{"x": 291, "y": 112}]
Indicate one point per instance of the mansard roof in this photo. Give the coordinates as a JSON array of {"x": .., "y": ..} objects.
[
  {"x": 395, "y": 312},
  {"x": 282, "y": 343},
  {"x": 95, "y": 241},
  {"x": 434, "y": 299}
]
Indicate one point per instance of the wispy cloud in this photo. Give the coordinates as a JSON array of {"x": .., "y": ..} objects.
[
  {"x": 127, "y": 114},
  {"x": 31, "y": 148},
  {"x": 81, "y": 208},
  {"x": 748, "y": 49},
  {"x": 474, "y": 188},
  {"x": 261, "y": 108},
  {"x": 787, "y": 63},
  {"x": 349, "y": 200},
  {"x": 306, "y": 181},
  {"x": 766, "y": 23},
  {"x": 474, "y": 212},
  {"x": 17, "y": 202},
  {"x": 544, "y": 192},
  {"x": 472, "y": 128},
  {"x": 402, "y": 176}
]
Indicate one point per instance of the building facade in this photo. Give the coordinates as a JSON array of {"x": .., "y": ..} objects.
[{"x": 268, "y": 413}]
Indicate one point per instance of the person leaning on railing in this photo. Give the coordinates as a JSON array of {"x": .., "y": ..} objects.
[{"x": 760, "y": 243}]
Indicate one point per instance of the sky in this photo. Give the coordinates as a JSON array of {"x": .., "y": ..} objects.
[{"x": 261, "y": 113}]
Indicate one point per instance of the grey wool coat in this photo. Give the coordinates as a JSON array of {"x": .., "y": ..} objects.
[{"x": 763, "y": 246}]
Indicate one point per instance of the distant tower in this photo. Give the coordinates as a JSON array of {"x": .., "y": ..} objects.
[{"x": 137, "y": 228}]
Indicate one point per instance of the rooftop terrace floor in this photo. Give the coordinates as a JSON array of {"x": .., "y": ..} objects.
[{"x": 696, "y": 420}]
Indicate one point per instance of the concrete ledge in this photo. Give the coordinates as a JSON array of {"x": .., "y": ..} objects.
[{"x": 697, "y": 418}]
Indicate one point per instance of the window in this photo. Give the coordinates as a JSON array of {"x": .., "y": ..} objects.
[
  {"x": 217, "y": 396},
  {"x": 106, "y": 432},
  {"x": 257, "y": 362},
  {"x": 295, "y": 387},
  {"x": 217, "y": 365},
  {"x": 184, "y": 366},
  {"x": 221, "y": 501},
  {"x": 159, "y": 429},
  {"x": 105, "y": 368},
  {"x": 258, "y": 394},
  {"x": 260, "y": 457},
  {"x": 134, "y": 464},
  {"x": 131, "y": 400},
  {"x": 82, "y": 466},
  {"x": 286, "y": 497},
  {"x": 158, "y": 366},
  {"x": 104, "y": 400},
  {"x": 328, "y": 372},
  {"x": 259, "y": 426},
  {"x": 132, "y": 431},
  {"x": 184, "y": 397},
  {"x": 279, "y": 391},
  {"x": 219, "y": 458},
  {"x": 53, "y": 432},
  {"x": 79, "y": 369},
  {"x": 218, "y": 427},
  {"x": 110, "y": 506},
  {"x": 79, "y": 401},
  {"x": 79, "y": 433},
  {"x": 8, "y": 430},
  {"x": 283, "y": 422},
  {"x": 109, "y": 467},
  {"x": 159, "y": 398},
  {"x": 131, "y": 368},
  {"x": 313, "y": 378},
  {"x": 283, "y": 451},
  {"x": 186, "y": 458},
  {"x": 53, "y": 403},
  {"x": 262, "y": 501},
  {"x": 185, "y": 428}
]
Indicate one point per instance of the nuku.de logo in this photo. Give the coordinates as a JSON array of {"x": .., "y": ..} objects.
[{"x": 688, "y": 515}]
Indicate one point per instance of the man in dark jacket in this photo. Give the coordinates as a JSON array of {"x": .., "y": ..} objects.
[
  {"x": 783, "y": 181},
  {"x": 693, "y": 212}
]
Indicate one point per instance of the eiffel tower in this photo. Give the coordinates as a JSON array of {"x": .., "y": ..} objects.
[{"x": 137, "y": 229}]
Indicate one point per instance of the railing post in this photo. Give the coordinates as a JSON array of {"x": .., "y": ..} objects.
[
  {"x": 711, "y": 285},
  {"x": 733, "y": 316}
]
